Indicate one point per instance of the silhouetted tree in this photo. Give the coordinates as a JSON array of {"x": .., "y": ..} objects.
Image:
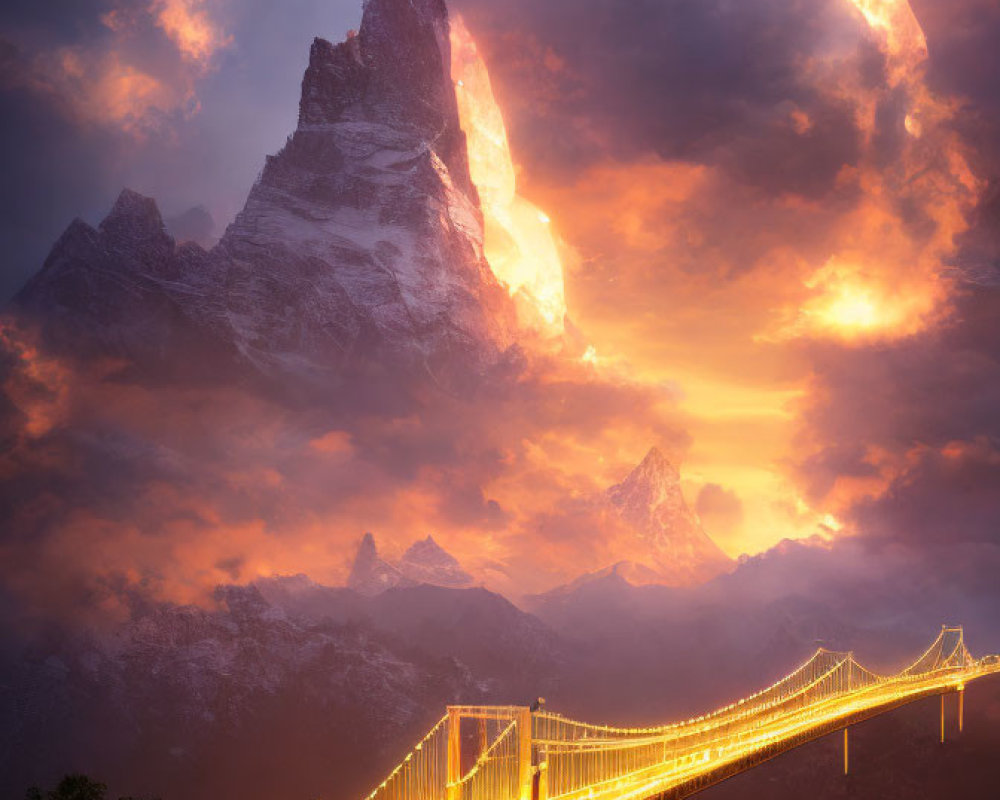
[{"x": 71, "y": 787}]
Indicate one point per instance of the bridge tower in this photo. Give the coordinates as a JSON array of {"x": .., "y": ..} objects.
[
  {"x": 454, "y": 760},
  {"x": 525, "y": 776}
]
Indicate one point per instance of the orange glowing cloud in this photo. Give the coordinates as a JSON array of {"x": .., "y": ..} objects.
[
  {"x": 883, "y": 280},
  {"x": 684, "y": 276},
  {"x": 190, "y": 26},
  {"x": 333, "y": 443},
  {"x": 39, "y": 386},
  {"x": 108, "y": 83},
  {"x": 904, "y": 41}
]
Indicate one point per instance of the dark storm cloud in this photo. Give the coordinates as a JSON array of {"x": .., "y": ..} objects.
[
  {"x": 962, "y": 40},
  {"x": 927, "y": 389},
  {"x": 927, "y": 405},
  {"x": 683, "y": 79},
  {"x": 964, "y": 64},
  {"x": 979, "y": 248},
  {"x": 821, "y": 469},
  {"x": 946, "y": 497}
]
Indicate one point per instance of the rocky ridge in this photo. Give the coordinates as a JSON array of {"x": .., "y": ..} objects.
[{"x": 359, "y": 248}]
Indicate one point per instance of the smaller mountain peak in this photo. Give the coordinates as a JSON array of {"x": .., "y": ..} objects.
[
  {"x": 676, "y": 547},
  {"x": 427, "y": 551},
  {"x": 427, "y": 562},
  {"x": 421, "y": 546},
  {"x": 193, "y": 225},
  {"x": 134, "y": 218},
  {"x": 131, "y": 204},
  {"x": 244, "y": 602},
  {"x": 370, "y": 575}
]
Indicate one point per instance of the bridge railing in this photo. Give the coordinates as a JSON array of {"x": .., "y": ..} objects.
[
  {"x": 496, "y": 771},
  {"x": 422, "y": 774}
]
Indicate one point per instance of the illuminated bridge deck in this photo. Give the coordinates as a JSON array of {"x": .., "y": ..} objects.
[{"x": 520, "y": 754}]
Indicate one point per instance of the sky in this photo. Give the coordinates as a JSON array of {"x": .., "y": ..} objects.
[{"x": 776, "y": 219}]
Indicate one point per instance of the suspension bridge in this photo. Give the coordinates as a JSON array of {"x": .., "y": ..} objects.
[{"x": 522, "y": 753}]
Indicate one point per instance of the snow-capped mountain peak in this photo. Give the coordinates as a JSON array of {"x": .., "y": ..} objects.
[
  {"x": 427, "y": 562},
  {"x": 424, "y": 562},
  {"x": 650, "y": 500}
]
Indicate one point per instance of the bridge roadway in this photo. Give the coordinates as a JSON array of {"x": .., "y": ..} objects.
[
  {"x": 719, "y": 761},
  {"x": 514, "y": 753}
]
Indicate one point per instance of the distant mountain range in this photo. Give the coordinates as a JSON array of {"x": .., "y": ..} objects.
[
  {"x": 425, "y": 562},
  {"x": 649, "y": 501}
]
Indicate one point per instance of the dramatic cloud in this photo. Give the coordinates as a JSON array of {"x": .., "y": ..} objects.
[
  {"x": 137, "y": 72},
  {"x": 170, "y": 491},
  {"x": 779, "y": 226},
  {"x": 766, "y": 213}
]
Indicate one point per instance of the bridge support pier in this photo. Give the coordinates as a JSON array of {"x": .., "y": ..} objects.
[
  {"x": 846, "y": 762},
  {"x": 942, "y": 718},
  {"x": 961, "y": 708}
]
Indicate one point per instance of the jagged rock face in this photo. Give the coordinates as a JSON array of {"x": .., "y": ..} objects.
[
  {"x": 370, "y": 575},
  {"x": 427, "y": 562},
  {"x": 124, "y": 289},
  {"x": 651, "y": 502},
  {"x": 359, "y": 248},
  {"x": 367, "y": 223}
]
